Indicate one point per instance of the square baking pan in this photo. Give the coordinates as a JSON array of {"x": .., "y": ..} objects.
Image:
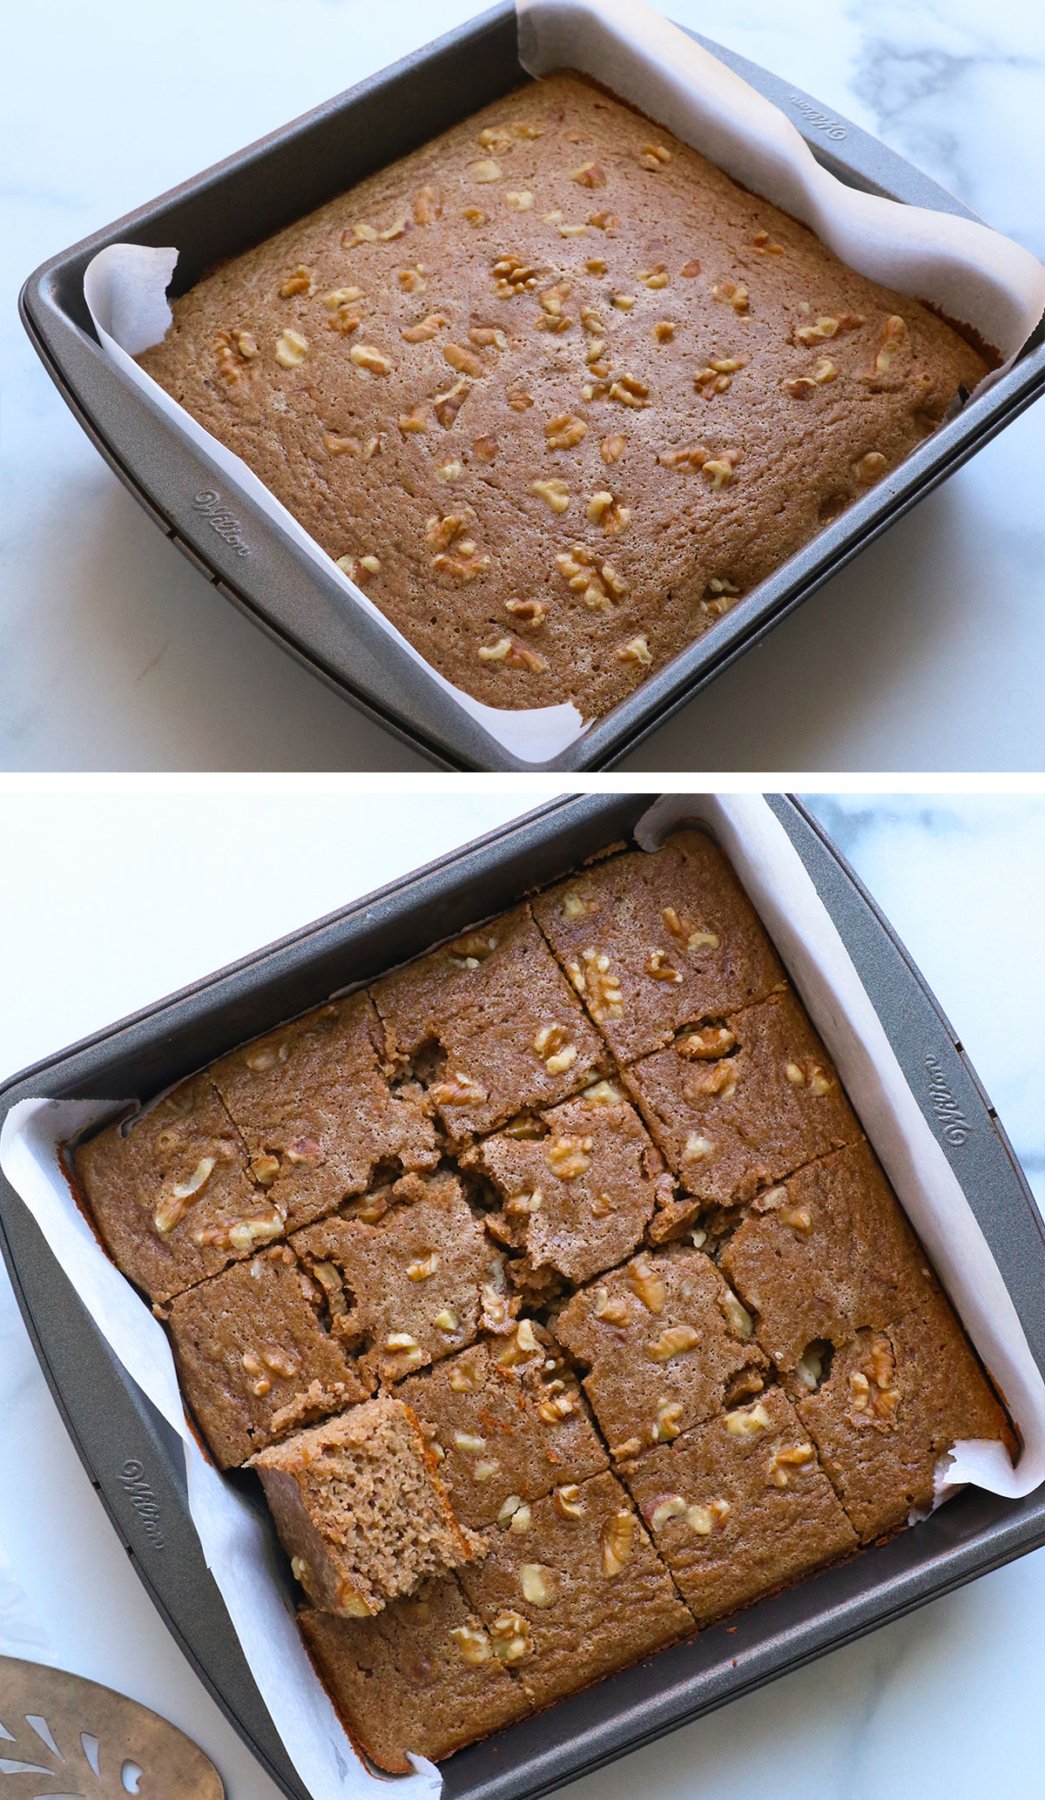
[
  {"x": 239, "y": 202},
  {"x": 135, "y": 1461}
]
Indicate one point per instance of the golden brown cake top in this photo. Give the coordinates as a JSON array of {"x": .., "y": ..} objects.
[{"x": 557, "y": 391}]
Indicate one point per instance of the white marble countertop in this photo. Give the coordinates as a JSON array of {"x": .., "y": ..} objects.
[
  {"x": 115, "y": 654},
  {"x": 927, "y": 1706}
]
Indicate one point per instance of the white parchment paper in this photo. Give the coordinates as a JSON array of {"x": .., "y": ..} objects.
[
  {"x": 974, "y": 274},
  {"x": 240, "y": 1549}
]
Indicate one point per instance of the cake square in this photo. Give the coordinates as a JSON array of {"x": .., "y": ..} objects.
[
  {"x": 255, "y": 1357},
  {"x": 581, "y": 1592},
  {"x": 171, "y": 1192},
  {"x": 576, "y": 1188},
  {"x": 490, "y": 1024},
  {"x": 317, "y": 1112},
  {"x": 737, "y": 1106},
  {"x": 361, "y": 1510},
  {"x": 665, "y": 1343},
  {"x": 655, "y": 941},
  {"x": 509, "y": 1423},
  {"x": 421, "y": 1676},
  {"x": 739, "y": 1506},
  {"x": 823, "y": 1255},
  {"x": 412, "y": 1287},
  {"x": 891, "y": 1404}
]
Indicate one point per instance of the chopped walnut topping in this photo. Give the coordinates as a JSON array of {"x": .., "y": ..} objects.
[
  {"x": 426, "y": 206},
  {"x": 655, "y": 278},
  {"x": 664, "y": 330},
  {"x": 511, "y": 1638},
  {"x": 299, "y": 281},
  {"x": 605, "y": 511},
  {"x": 474, "y": 215},
  {"x": 473, "y": 1644},
  {"x": 173, "y": 1208},
  {"x": 487, "y": 337},
  {"x": 552, "y": 317},
  {"x": 569, "y": 1157},
  {"x": 717, "y": 376},
  {"x": 785, "y": 1459},
  {"x": 265, "y": 1169},
  {"x": 870, "y": 468},
  {"x": 617, "y": 1541},
  {"x": 636, "y": 650},
  {"x": 464, "y": 361},
  {"x": 485, "y": 448},
  {"x": 653, "y": 156},
  {"x": 457, "y": 1090},
  {"x": 447, "y": 405},
  {"x": 827, "y": 326},
  {"x": 891, "y": 340},
  {"x": 747, "y": 1421},
  {"x": 647, "y": 1282},
  {"x": 809, "y": 1074},
  {"x": 291, "y": 349},
  {"x": 702, "y": 1520},
  {"x": 531, "y": 613},
  {"x": 554, "y": 491},
  {"x": 691, "y": 268},
  {"x": 520, "y": 401},
  {"x": 710, "y": 1078},
  {"x": 593, "y": 977},
  {"x": 412, "y": 281},
  {"x": 413, "y": 421},
  {"x": 598, "y": 582},
  {"x": 739, "y": 1318},
  {"x": 612, "y": 448},
  {"x": 674, "y": 1341},
  {"x": 719, "y": 469},
  {"x": 519, "y": 199},
  {"x": 423, "y": 1267},
  {"x": 539, "y": 1584},
  {"x": 732, "y": 293},
  {"x": 567, "y": 1501},
  {"x": 374, "y": 361},
  {"x": 611, "y": 1309},
  {"x": 825, "y": 371},
  {"x": 604, "y": 221},
  {"x": 668, "y": 1422},
  {"x": 694, "y": 937},
  {"x": 665, "y": 1507},
  {"x": 763, "y": 242},
  {"x": 658, "y": 967},
  {"x": 565, "y": 431},
  {"x": 554, "y": 1049},
  {"x": 425, "y": 329},
  {"x": 589, "y": 175},
  {"x": 486, "y": 170},
  {"x": 697, "y": 1148},
  {"x": 706, "y": 1045},
  {"x": 719, "y": 596},
  {"x": 628, "y": 390},
  {"x": 513, "y": 654},
  {"x": 344, "y": 321},
  {"x": 512, "y": 276},
  {"x": 623, "y": 302},
  {"x": 873, "y": 1386},
  {"x": 689, "y": 456}
]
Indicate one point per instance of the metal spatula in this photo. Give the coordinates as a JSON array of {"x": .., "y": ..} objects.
[{"x": 62, "y": 1738}]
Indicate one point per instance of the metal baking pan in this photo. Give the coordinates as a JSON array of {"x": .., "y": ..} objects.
[
  {"x": 253, "y": 194},
  {"x": 135, "y": 1462}
]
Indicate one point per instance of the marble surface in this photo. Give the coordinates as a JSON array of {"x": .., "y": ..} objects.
[
  {"x": 115, "y": 654},
  {"x": 922, "y": 1707}
]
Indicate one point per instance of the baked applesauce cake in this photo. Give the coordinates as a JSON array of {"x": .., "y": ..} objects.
[
  {"x": 556, "y": 392},
  {"x": 552, "y": 1290}
]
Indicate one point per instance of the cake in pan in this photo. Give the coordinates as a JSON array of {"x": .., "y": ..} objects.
[
  {"x": 556, "y": 392},
  {"x": 554, "y": 1293}
]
